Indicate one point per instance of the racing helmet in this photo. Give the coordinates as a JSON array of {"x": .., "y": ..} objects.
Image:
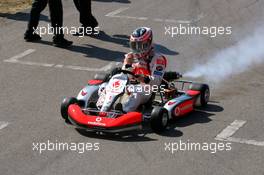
[{"x": 141, "y": 41}]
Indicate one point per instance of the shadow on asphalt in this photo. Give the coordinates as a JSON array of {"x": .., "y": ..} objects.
[
  {"x": 117, "y": 39},
  {"x": 200, "y": 115},
  {"x": 131, "y": 136},
  {"x": 22, "y": 16},
  {"x": 124, "y": 41},
  {"x": 164, "y": 50},
  {"x": 120, "y": 1},
  {"x": 123, "y": 137},
  {"x": 97, "y": 52},
  {"x": 92, "y": 51},
  {"x": 105, "y": 54},
  {"x": 212, "y": 108},
  {"x": 169, "y": 132}
]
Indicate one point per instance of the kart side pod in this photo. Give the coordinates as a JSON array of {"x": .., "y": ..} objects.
[{"x": 180, "y": 106}]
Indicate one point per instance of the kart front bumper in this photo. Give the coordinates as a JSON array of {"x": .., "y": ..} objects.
[{"x": 126, "y": 122}]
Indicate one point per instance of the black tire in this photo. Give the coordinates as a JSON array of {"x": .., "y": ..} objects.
[
  {"x": 150, "y": 101},
  {"x": 65, "y": 105},
  {"x": 159, "y": 119},
  {"x": 205, "y": 92}
]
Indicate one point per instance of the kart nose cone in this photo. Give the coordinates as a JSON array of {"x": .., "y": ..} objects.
[{"x": 102, "y": 114}]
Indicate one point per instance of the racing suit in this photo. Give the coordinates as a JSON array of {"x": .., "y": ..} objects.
[
  {"x": 154, "y": 69},
  {"x": 142, "y": 92}
]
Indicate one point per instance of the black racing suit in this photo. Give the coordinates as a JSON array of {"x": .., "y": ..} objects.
[
  {"x": 85, "y": 10},
  {"x": 56, "y": 15}
]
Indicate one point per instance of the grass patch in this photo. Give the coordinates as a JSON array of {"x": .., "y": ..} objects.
[{"x": 13, "y": 6}]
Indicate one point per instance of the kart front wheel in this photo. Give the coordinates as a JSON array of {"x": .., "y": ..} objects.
[
  {"x": 65, "y": 105},
  {"x": 159, "y": 119}
]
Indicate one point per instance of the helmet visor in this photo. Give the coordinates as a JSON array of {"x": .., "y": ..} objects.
[{"x": 139, "y": 46}]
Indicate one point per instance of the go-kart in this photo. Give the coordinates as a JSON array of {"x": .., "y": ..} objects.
[{"x": 176, "y": 99}]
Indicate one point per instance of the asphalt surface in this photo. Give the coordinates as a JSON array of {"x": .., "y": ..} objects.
[{"x": 30, "y": 95}]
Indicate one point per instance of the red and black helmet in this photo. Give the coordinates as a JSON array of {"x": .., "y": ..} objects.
[{"x": 141, "y": 40}]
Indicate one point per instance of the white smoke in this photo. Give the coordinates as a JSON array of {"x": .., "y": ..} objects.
[{"x": 233, "y": 60}]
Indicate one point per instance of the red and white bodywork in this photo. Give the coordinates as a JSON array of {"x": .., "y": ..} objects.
[{"x": 108, "y": 119}]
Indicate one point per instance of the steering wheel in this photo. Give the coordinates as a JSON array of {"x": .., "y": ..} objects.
[
  {"x": 128, "y": 72},
  {"x": 146, "y": 78}
]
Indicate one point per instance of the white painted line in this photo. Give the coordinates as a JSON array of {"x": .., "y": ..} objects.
[
  {"x": 170, "y": 20},
  {"x": 158, "y": 20},
  {"x": 231, "y": 129},
  {"x": 114, "y": 13},
  {"x": 81, "y": 68},
  {"x": 130, "y": 17},
  {"x": 142, "y": 18},
  {"x": 199, "y": 17},
  {"x": 59, "y": 66},
  {"x": 180, "y": 21},
  {"x": 29, "y": 63},
  {"x": 21, "y": 55},
  {"x": 16, "y": 60},
  {"x": 102, "y": 69},
  {"x": 246, "y": 141},
  {"x": 3, "y": 124}
]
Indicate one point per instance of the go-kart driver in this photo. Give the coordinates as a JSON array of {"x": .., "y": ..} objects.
[{"x": 144, "y": 62}]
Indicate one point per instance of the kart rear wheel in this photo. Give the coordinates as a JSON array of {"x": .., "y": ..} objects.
[
  {"x": 65, "y": 105},
  {"x": 159, "y": 119},
  {"x": 204, "y": 93}
]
